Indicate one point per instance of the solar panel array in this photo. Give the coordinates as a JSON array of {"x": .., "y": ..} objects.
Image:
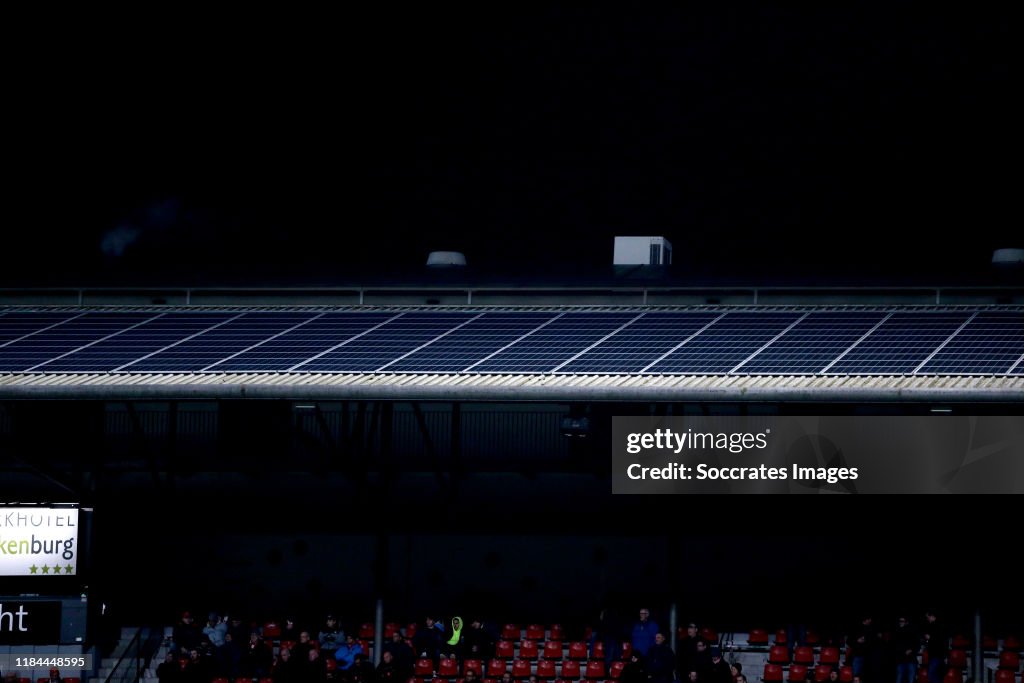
[{"x": 703, "y": 340}]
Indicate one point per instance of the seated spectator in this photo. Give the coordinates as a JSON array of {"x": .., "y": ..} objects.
[
  {"x": 346, "y": 654},
  {"x": 331, "y": 636}
]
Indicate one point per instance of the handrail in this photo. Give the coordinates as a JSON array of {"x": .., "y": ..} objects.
[{"x": 139, "y": 652}]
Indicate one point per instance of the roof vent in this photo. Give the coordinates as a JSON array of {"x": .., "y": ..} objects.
[{"x": 446, "y": 259}]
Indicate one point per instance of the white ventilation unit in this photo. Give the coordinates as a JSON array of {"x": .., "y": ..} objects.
[{"x": 642, "y": 251}]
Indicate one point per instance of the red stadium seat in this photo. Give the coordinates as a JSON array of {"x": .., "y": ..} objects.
[
  {"x": 627, "y": 650},
  {"x": 271, "y": 630},
  {"x": 496, "y": 667},
  {"x": 829, "y": 655},
  {"x": 365, "y": 644},
  {"x": 424, "y": 667},
  {"x": 1004, "y": 676},
  {"x": 219, "y": 679},
  {"x": 571, "y": 670},
  {"x": 521, "y": 669},
  {"x": 266, "y": 679},
  {"x": 595, "y": 669},
  {"x": 557, "y": 632},
  {"x": 778, "y": 654},
  {"x": 954, "y": 676},
  {"x": 803, "y": 654},
  {"x": 366, "y": 631},
  {"x": 989, "y": 643},
  {"x": 545, "y": 669},
  {"x": 922, "y": 675},
  {"x": 812, "y": 638},
  {"x": 505, "y": 649},
  {"x": 528, "y": 649},
  {"x": 772, "y": 673},
  {"x": 535, "y": 632},
  {"x": 331, "y": 663},
  {"x": 757, "y": 636},
  {"x": 958, "y": 659},
  {"x": 577, "y": 650},
  {"x": 448, "y": 668},
  {"x": 510, "y": 632},
  {"x": 821, "y": 673},
  {"x": 240, "y": 679},
  {"x": 553, "y": 650},
  {"x": 1008, "y": 659},
  {"x": 798, "y": 673},
  {"x": 1012, "y": 642},
  {"x": 846, "y": 674},
  {"x": 410, "y": 630},
  {"x": 76, "y": 679},
  {"x": 390, "y": 629},
  {"x": 473, "y": 665},
  {"x": 780, "y": 637},
  {"x": 616, "y": 670},
  {"x": 709, "y": 635},
  {"x": 598, "y": 649},
  {"x": 960, "y": 642},
  {"x": 288, "y": 644}
]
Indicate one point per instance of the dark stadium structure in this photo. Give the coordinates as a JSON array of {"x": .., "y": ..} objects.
[{"x": 446, "y": 450}]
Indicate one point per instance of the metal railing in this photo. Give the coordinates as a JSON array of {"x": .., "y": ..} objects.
[{"x": 136, "y": 656}]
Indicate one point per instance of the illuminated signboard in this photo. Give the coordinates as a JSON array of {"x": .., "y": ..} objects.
[{"x": 38, "y": 541}]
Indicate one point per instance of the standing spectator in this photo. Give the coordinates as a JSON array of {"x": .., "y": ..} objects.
[
  {"x": 186, "y": 635},
  {"x": 936, "y": 645},
  {"x": 427, "y": 641},
  {"x": 402, "y": 657},
  {"x": 642, "y": 635},
  {"x": 687, "y": 650},
  {"x": 331, "y": 636},
  {"x": 661, "y": 661},
  {"x": 479, "y": 640},
  {"x": 905, "y": 644},
  {"x": 257, "y": 658}
]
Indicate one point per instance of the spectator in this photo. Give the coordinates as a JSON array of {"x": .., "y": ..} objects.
[
  {"x": 634, "y": 671},
  {"x": 661, "y": 661},
  {"x": 453, "y": 642},
  {"x": 388, "y": 671},
  {"x": 186, "y": 635},
  {"x": 936, "y": 645},
  {"x": 736, "y": 669},
  {"x": 479, "y": 640},
  {"x": 331, "y": 636},
  {"x": 719, "y": 671},
  {"x": 642, "y": 635},
  {"x": 55, "y": 676},
  {"x": 427, "y": 642},
  {"x": 362, "y": 670},
  {"x": 346, "y": 654},
  {"x": 315, "y": 670},
  {"x": 290, "y": 631},
  {"x": 905, "y": 644},
  {"x": 403, "y": 658},
  {"x": 257, "y": 658},
  {"x": 687, "y": 650},
  {"x": 167, "y": 671},
  {"x": 286, "y": 668}
]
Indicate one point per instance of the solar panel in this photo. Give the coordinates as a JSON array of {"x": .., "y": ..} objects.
[
  {"x": 473, "y": 342},
  {"x": 556, "y": 343},
  {"x": 135, "y": 343},
  {"x": 726, "y": 343},
  {"x": 219, "y": 341},
  {"x": 989, "y": 344},
  {"x": 13, "y": 326},
  {"x": 406, "y": 332},
  {"x": 308, "y": 340},
  {"x": 812, "y": 343},
  {"x": 644, "y": 341},
  {"x": 63, "y": 337},
  {"x": 901, "y": 343}
]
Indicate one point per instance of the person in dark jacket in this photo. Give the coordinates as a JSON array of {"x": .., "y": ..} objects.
[
  {"x": 661, "y": 661},
  {"x": 905, "y": 643},
  {"x": 634, "y": 671},
  {"x": 427, "y": 641},
  {"x": 936, "y": 645}
]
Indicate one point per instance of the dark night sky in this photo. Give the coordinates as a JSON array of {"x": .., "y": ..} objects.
[{"x": 770, "y": 141}]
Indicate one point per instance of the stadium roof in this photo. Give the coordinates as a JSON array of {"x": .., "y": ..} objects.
[{"x": 535, "y": 353}]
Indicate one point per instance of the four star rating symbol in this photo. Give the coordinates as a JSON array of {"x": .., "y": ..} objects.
[{"x": 57, "y": 569}]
